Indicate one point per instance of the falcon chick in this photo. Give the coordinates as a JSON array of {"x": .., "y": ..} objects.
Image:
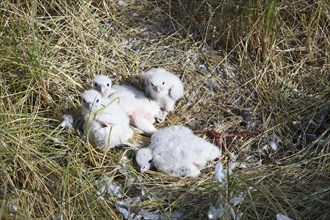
[
  {"x": 176, "y": 151},
  {"x": 103, "y": 84},
  {"x": 164, "y": 87},
  {"x": 141, "y": 111},
  {"x": 106, "y": 123}
]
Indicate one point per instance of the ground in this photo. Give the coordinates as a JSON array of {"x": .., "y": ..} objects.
[{"x": 256, "y": 78}]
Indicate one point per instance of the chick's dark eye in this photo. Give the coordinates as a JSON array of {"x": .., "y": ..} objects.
[
  {"x": 97, "y": 100},
  {"x": 152, "y": 84},
  {"x": 95, "y": 84},
  {"x": 149, "y": 161},
  {"x": 163, "y": 83},
  {"x": 108, "y": 84}
]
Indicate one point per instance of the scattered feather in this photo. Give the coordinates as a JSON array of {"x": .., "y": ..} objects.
[
  {"x": 123, "y": 169},
  {"x": 235, "y": 215},
  {"x": 202, "y": 68},
  {"x": 107, "y": 186},
  {"x": 58, "y": 140},
  {"x": 12, "y": 208},
  {"x": 273, "y": 145},
  {"x": 275, "y": 140},
  {"x": 124, "y": 208},
  {"x": 226, "y": 208},
  {"x": 220, "y": 173},
  {"x": 282, "y": 217},
  {"x": 173, "y": 216},
  {"x": 237, "y": 200},
  {"x": 121, "y": 3},
  {"x": 215, "y": 213},
  {"x": 67, "y": 122}
]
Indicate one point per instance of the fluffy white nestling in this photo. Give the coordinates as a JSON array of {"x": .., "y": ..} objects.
[
  {"x": 139, "y": 108},
  {"x": 164, "y": 87},
  {"x": 176, "y": 151},
  {"x": 106, "y": 123},
  {"x": 103, "y": 84}
]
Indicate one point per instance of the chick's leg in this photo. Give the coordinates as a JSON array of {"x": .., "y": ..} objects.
[
  {"x": 160, "y": 117},
  {"x": 143, "y": 122},
  {"x": 192, "y": 170},
  {"x": 185, "y": 170}
]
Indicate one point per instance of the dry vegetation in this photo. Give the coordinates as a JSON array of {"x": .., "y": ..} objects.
[{"x": 256, "y": 76}]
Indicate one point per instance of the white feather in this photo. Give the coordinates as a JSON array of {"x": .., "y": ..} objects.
[
  {"x": 106, "y": 123},
  {"x": 177, "y": 151},
  {"x": 164, "y": 87},
  {"x": 139, "y": 108}
]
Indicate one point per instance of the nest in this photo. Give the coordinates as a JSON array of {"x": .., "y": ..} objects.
[{"x": 265, "y": 105}]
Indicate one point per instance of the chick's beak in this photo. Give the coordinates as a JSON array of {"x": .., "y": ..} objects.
[
  {"x": 87, "y": 105},
  {"x": 103, "y": 90},
  {"x": 98, "y": 87},
  {"x": 157, "y": 88}
]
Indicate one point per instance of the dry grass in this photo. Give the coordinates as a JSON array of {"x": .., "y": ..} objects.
[{"x": 256, "y": 72}]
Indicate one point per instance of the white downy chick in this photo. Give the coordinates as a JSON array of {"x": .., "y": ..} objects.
[
  {"x": 173, "y": 162},
  {"x": 139, "y": 108},
  {"x": 176, "y": 151},
  {"x": 164, "y": 87},
  {"x": 144, "y": 159},
  {"x": 106, "y": 123},
  {"x": 103, "y": 85}
]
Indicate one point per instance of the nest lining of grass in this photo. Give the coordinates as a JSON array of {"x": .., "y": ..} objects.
[{"x": 52, "y": 51}]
